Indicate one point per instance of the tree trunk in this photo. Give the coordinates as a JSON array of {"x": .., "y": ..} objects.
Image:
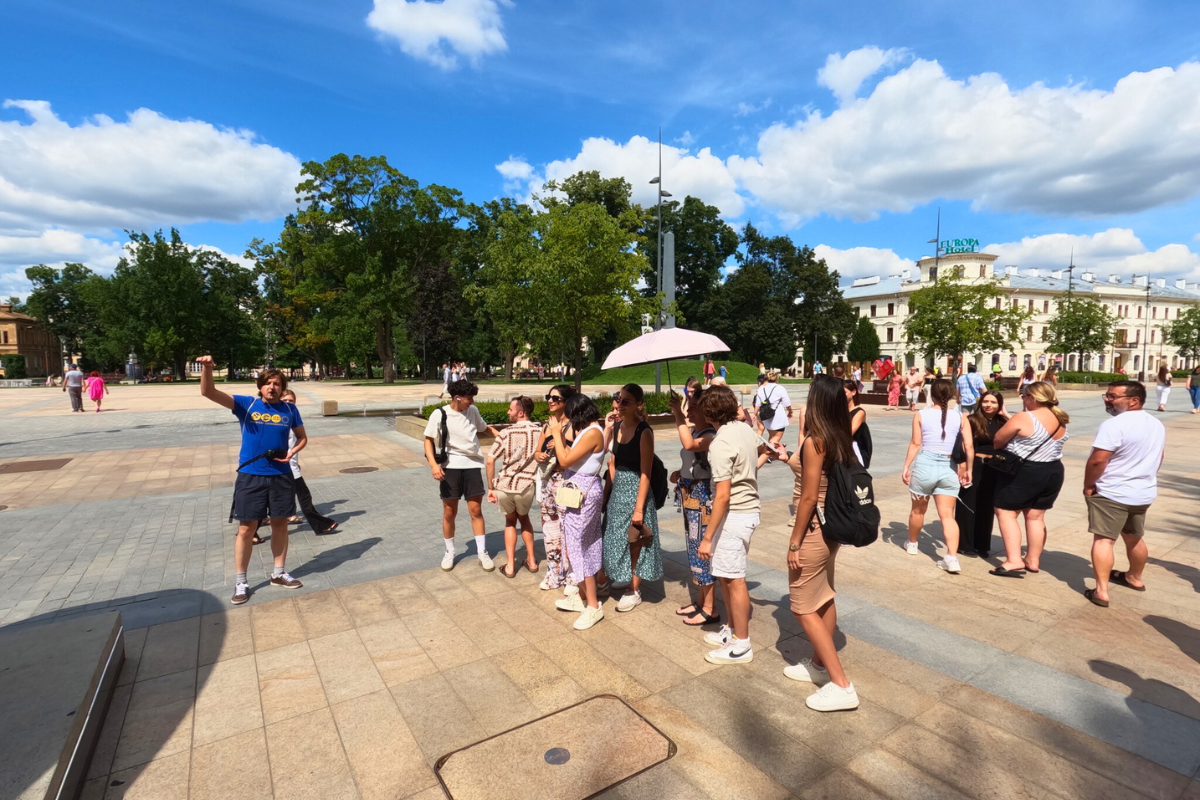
[
  {"x": 384, "y": 345},
  {"x": 180, "y": 368},
  {"x": 578, "y": 363},
  {"x": 510, "y": 358},
  {"x": 370, "y": 372}
]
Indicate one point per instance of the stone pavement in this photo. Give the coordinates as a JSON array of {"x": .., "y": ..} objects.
[{"x": 972, "y": 686}]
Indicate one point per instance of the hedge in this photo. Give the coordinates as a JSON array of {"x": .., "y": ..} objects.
[
  {"x": 496, "y": 413},
  {"x": 1090, "y": 377},
  {"x": 14, "y": 367}
]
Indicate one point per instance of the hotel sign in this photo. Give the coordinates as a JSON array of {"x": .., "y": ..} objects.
[{"x": 960, "y": 246}]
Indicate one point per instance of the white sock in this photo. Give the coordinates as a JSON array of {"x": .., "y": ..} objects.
[
  {"x": 481, "y": 545},
  {"x": 449, "y": 546},
  {"x": 737, "y": 644}
]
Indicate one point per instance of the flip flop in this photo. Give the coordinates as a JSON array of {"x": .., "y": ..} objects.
[
  {"x": 684, "y": 612},
  {"x": 1116, "y": 576},
  {"x": 534, "y": 568},
  {"x": 705, "y": 619},
  {"x": 1001, "y": 572},
  {"x": 1031, "y": 569},
  {"x": 1090, "y": 594},
  {"x": 506, "y": 574},
  {"x": 328, "y": 530}
]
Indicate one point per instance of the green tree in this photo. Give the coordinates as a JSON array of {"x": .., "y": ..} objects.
[
  {"x": 743, "y": 314},
  {"x": 504, "y": 279},
  {"x": 1183, "y": 333},
  {"x": 864, "y": 344},
  {"x": 703, "y": 244},
  {"x": 613, "y": 194},
  {"x": 61, "y": 302},
  {"x": 952, "y": 318},
  {"x": 1081, "y": 325},
  {"x": 17, "y": 305}
]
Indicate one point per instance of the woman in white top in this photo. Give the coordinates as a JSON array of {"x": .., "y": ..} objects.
[
  {"x": 581, "y": 526},
  {"x": 928, "y": 470},
  {"x": 1162, "y": 386},
  {"x": 1035, "y": 435},
  {"x": 772, "y": 395}
]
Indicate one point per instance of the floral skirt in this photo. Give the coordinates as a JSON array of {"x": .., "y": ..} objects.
[
  {"x": 617, "y": 560},
  {"x": 582, "y": 534},
  {"x": 696, "y": 496},
  {"x": 558, "y": 571}
]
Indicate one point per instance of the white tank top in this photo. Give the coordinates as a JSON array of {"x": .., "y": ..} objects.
[
  {"x": 595, "y": 462},
  {"x": 1039, "y": 446},
  {"x": 931, "y": 430}
]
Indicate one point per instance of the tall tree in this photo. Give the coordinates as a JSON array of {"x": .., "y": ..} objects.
[
  {"x": 613, "y": 194},
  {"x": 1183, "y": 333},
  {"x": 952, "y": 318},
  {"x": 1081, "y": 325},
  {"x": 509, "y": 252},
  {"x": 61, "y": 302},
  {"x": 703, "y": 244},
  {"x": 864, "y": 344},
  {"x": 744, "y": 314}
]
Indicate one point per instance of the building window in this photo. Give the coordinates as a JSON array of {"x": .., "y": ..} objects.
[
  {"x": 3, "y": 337},
  {"x": 933, "y": 273},
  {"x": 891, "y": 309},
  {"x": 1029, "y": 333},
  {"x": 983, "y": 270},
  {"x": 1031, "y": 304},
  {"x": 1045, "y": 333},
  {"x": 1016, "y": 303},
  {"x": 1139, "y": 312},
  {"x": 891, "y": 332},
  {"x": 1154, "y": 313},
  {"x": 1152, "y": 332},
  {"x": 997, "y": 303},
  {"x": 872, "y": 311},
  {"x": 1045, "y": 306}
]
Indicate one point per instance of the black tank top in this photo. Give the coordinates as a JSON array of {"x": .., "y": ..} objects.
[{"x": 629, "y": 455}]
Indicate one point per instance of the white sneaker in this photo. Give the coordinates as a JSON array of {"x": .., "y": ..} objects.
[
  {"x": 738, "y": 651},
  {"x": 950, "y": 564},
  {"x": 570, "y": 590},
  {"x": 719, "y": 638},
  {"x": 486, "y": 562},
  {"x": 572, "y": 603},
  {"x": 911, "y": 547},
  {"x": 448, "y": 562},
  {"x": 629, "y": 601},
  {"x": 832, "y": 697},
  {"x": 805, "y": 670},
  {"x": 589, "y": 617},
  {"x": 545, "y": 584}
]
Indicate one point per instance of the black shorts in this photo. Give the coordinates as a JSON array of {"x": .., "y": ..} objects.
[
  {"x": 1036, "y": 485},
  {"x": 257, "y": 497},
  {"x": 458, "y": 483}
]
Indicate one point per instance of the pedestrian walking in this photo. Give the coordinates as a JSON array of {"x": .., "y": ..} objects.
[
  {"x": 513, "y": 489},
  {"x": 264, "y": 486},
  {"x": 929, "y": 471},
  {"x": 1035, "y": 436},
  {"x": 733, "y": 461},
  {"x": 912, "y": 386},
  {"x": 320, "y": 524},
  {"x": 975, "y": 512},
  {"x": 73, "y": 386},
  {"x": 970, "y": 388},
  {"x": 631, "y": 549},
  {"x": 1162, "y": 387},
  {"x": 96, "y": 389},
  {"x": 694, "y": 495},
  {"x": 895, "y": 386},
  {"x": 582, "y": 504},
  {"x": 1120, "y": 482},
  {"x": 856, "y": 375},
  {"x": 709, "y": 370},
  {"x": 1193, "y": 387},
  {"x": 1050, "y": 376},
  {"x": 810, "y": 558},
  {"x": 445, "y": 380},
  {"x": 724, "y": 370},
  {"x": 860, "y": 434},
  {"x": 549, "y": 479},
  {"x": 773, "y": 407},
  {"x": 1028, "y": 377},
  {"x": 456, "y": 462}
]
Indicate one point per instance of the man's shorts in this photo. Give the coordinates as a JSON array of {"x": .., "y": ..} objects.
[
  {"x": 458, "y": 483},
  {"x": 1108, "y": 518},
  {"x": 515, "y": 502},
  {"x": 731, "y": 544},
  {"x": 257, "y": 497}
]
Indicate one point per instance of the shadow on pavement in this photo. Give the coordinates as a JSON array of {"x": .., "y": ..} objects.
[
  {"x": 1182, "y": 635},
  {"x": 335, "y": 556},
  {"x": 1150, "y": 690}
]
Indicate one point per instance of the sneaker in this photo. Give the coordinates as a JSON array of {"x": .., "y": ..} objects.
[
  {"x": 589, "y": 617},
  {"x": 486, "y": 562},
  {"x": 570, "y": 590},
  {"x": 832, "y": 697},
  {"x": 545, "y": 584},
  {"x": 738, "y": 651},
  {"x": 629, "y": 601},
  {"x": 285, "y": 581},
  {"x": 448, "y": 562},
  {"x": 719, "y": 638},
  {"x": 911, "y": 547},
  {"x": 805, "y": 670},
  {"x": 950, "y": 564},
  {"x": 572, "y": 603},
  {"x": 241, "y": 593}
]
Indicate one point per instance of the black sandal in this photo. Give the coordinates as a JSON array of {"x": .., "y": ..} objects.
[
  {"x": 257, "y": 539},
  {"x": 1001, "y": 572},
  {"x": 707, "y": 619},
  {"x": 683, "y": 612}
]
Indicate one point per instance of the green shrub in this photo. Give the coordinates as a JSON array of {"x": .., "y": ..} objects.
[
  {"x": 14, "y": 367},
  {"x": 739, "y": 372},
  {"x": 496, "y": 413},
  {"x": 1090, "y": 377},
  {"x": 993, "y": 386}
]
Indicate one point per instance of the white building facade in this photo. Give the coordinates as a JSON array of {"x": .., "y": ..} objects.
[{"x": 1139, "y": 307}]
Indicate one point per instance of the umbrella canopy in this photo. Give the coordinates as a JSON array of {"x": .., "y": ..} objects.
[{"x": 664, "y": 345}]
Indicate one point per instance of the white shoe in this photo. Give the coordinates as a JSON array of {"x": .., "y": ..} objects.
[
  {"x": 738, "y": 651},
  {"x": 911, "y": 547},
  {"x": 950, "y": 564},
  {"x": 572, "y": 603},
  {"x": 570, "y": 590},
  {"x": 805, "y": 670},
  {"x": 486, "y": 562},
  {"x": 589, "y": 617},
  {"x": 832, "y": 697},
  {"x": 448, "y": 562},
  {"x": 629, "y": 601},
  {"x": 719, "y": 638},
  {"x": 545, "y": 584}
]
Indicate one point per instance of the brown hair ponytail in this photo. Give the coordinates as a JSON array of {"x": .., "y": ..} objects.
[{"x": 941, "y": 391}]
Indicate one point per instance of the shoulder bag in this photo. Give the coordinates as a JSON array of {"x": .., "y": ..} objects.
[{"x": 1009, "y": 463}]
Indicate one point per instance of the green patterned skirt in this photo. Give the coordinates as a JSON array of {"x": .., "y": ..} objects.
[{"x": 616, "y": 539}]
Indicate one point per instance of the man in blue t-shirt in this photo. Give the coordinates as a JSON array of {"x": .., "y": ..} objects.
[
  {"x": 970, "y": 388},
  {"x": 264, "y": 482}
]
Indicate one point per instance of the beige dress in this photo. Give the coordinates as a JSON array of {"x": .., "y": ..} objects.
[{"x": 811, "y": 586}]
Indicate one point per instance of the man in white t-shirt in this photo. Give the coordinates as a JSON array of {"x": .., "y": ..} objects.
[
  {"x": 1120, "y": 482},
  {"x": 456, "y": 461},
  {"x": 776, "y": 397}
]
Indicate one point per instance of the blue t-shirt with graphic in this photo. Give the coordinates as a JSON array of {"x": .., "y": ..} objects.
[{"x": 265, "y": 426}]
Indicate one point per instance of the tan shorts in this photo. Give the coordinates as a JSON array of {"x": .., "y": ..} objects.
[
  {"x": 515, "y": 502},
  {"x": 1108, "y": 518}
]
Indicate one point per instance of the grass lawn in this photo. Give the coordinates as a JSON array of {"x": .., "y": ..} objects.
[{"x": 643, "y": 374}]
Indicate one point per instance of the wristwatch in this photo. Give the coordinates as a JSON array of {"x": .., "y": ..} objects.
[{"x": 793, "y": 547}]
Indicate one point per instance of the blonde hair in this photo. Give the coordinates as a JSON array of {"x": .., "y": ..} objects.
[{"x": 1044, "y": 394}]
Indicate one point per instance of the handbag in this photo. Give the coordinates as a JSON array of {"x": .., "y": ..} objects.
[
  {"x": 1008, "y": 463},
  {"x": 569, "y": 495}
]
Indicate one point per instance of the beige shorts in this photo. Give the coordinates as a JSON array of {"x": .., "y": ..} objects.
[
  {"x": 731, "y": 545},
  {"x": 1108, "y": 518},
  {"x": 515, "y": 502}
]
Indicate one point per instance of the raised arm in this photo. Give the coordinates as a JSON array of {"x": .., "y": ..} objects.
[{"x": 207, "y": 387}]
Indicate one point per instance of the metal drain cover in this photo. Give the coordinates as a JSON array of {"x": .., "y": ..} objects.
[
  {"x": 558, "y": 755},
  {"x": 357, "y": 470}
]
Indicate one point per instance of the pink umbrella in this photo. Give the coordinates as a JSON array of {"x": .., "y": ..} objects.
[{"x": 664, "y": 345}]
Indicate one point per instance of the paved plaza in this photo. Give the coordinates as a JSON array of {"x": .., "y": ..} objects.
[{"x": 354, "y": 686}]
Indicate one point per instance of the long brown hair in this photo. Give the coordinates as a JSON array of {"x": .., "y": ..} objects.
[
  {"x": 979, "y": 422},
  {"x": 942, "y": 391},
  {"x": 827, "y": 421},
  {"x": 1163, "y": 374}
]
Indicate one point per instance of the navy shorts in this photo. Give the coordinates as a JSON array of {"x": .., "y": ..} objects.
[
  {"x": 257, "y": 497},
  {"x": 458, "y": 483}
]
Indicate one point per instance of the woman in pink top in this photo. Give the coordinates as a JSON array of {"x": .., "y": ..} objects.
[{"x": 96, "y": 389}]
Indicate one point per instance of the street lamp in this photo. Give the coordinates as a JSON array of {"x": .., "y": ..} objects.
[{"x": 658, "y": 287}]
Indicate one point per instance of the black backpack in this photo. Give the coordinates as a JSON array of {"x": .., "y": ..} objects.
[
  {"x": 766, "y": 412},
  {"x": 441, "y": 454},
  {"x": 658, "y": 470},
  {"x": 851, "y": 516}
]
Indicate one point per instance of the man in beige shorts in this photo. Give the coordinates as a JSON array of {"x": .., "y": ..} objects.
[{"x": 513, "y": 489}]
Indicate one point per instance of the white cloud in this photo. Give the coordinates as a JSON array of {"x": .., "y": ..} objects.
[
  {"x": 843, "y": 75},
  {"x": 146, "y": 171},
  {"x": 746, "y": 109},
  {"x": 53, "y": 247},
  {"x": 1116, "y": 251},
  {"x": 921, "y": 135},
  {"x": 860, "y": 262},
  {"x": 440, "y": 32},
  {"x": 520, "y": 178}
]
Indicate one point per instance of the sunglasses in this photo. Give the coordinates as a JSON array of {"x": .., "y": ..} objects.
[
  {"x": 553, "y": 398},
  {"x": 1111, "y": 396},
  {"x": 623, "y": 401}
]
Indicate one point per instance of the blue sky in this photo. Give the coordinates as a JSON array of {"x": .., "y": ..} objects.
[{"x": 1037, "y": 128}]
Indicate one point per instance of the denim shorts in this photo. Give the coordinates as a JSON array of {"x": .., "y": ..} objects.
[{"x": 932, "y": 473}]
